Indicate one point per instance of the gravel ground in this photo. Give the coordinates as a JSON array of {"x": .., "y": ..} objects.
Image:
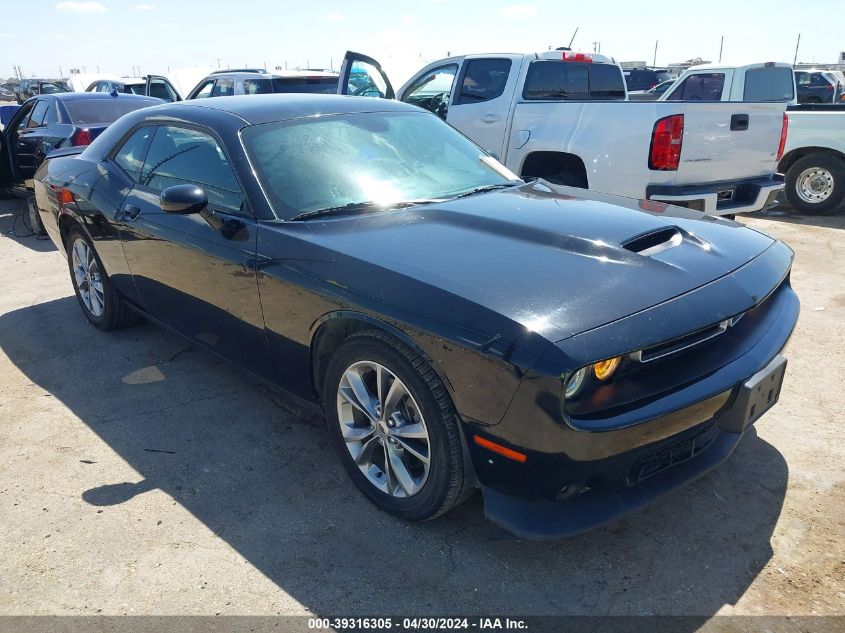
[{"x": 141, "y": 475}]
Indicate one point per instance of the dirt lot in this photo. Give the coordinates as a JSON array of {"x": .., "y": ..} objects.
[{"x": 141, "y": 475}]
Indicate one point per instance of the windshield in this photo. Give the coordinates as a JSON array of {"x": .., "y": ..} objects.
[{"x": 311, "y": 164}]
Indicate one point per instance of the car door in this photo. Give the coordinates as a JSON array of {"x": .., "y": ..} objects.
[
  {"x": 362, "y": 76},
  {"x": 195, "y": 273},
  {"x": 29, "y": 138},
  {"x": 158, "y": 86},
  {"x": 483, "y": 97},
  {"x": 432, "y": 88},
  {"x": 202, "y": 90}
]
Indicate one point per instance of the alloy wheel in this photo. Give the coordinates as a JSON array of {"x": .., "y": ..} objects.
[
  {"x": 86, "y": 274},
  {"x": 383, "y": 429}
]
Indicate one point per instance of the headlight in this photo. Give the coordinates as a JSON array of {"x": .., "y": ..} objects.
[
  {"x": 604, "y": 369},
  {"x": 575, "y": 383}
]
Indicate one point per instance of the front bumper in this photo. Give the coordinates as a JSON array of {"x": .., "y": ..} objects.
[
  {"x": 724, "y": 198},
  {"x": 652, "y": 471}
]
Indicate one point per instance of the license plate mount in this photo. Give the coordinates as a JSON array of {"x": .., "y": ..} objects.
[{"x": 756, "y": 395}]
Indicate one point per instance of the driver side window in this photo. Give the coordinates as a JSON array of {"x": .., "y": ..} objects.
[{"x": 432, "y": 90}]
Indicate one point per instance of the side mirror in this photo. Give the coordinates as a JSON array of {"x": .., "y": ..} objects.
[{"x": 183, "y": 199}]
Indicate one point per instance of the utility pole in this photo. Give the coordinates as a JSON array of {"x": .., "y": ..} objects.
[
  {"x": 797, "y": 44},
  {"x": 654, "y": 62},
  {"x": 219, "y": 59},
  {"x": 721, "y": 46}
]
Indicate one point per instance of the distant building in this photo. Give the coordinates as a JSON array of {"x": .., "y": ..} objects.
[{"x": 633, "y": 64}]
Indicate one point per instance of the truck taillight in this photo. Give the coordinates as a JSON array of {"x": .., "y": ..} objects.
[
  {"x": 783, "y": 131},
  {"x": 666, "y": 143},
  {"x": 576, "y": 57},
  {"x": 81, "y": 137}
]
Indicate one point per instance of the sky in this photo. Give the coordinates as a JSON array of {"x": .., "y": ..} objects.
[{"x": 116, "y": 35}]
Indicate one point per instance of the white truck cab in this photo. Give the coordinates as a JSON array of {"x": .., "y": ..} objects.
[
  {"x": 564, "y": 116},
  {"x": 764, "y": 82}
]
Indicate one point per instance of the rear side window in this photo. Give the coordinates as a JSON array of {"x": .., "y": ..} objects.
[
  {"x": 554, "y": 80},
  {"x": 38, "y": 114},
  {"x": 700, "y": 87},
  {"x": 130, "y": 157},
  {"x": 317, "y": 85},
  {"x": 773, "y": 84},
  {"x": 484, "y": 79},
  {"x": 105, "y": 111}
]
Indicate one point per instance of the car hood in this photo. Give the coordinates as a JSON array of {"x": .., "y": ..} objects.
[{"x": 557, "y": 260}]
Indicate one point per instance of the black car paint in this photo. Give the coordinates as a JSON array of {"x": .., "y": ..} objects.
[
  {"x": 24, "y": 150},
  {"x": 504, "y": 294}
]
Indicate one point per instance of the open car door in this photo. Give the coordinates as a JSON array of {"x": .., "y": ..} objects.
[
  {"x": 160, "y": 87},
  {"x": 362, "y": 76}
]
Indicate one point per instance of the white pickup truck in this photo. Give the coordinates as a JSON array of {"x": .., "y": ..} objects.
[
  {"x": 564, "y": 116},
  {"x": 814, "y": 161},
  {"x": 763, "y": 82}
]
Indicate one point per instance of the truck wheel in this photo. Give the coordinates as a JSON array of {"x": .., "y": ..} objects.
[{"x": 815, "y": 184}]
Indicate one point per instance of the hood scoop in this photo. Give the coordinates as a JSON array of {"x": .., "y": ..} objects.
[{"x": 654, "y": 242}]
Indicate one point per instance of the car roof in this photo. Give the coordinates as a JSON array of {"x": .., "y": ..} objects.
[
  {"x": 241, "y": 74},
  {"x": 257, "y": 109}
]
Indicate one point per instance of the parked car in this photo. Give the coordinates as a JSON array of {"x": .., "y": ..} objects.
[
  {"x": 7, "y": 92},
  {"x": 563, "y": 116},
  {"x": 768, "y": 82},
  {"x": 653, "y": 93},
  {"x": 814, "y": 161},
  {"x": 151, "y": 86},
  {"x": 820, "y": 86},
  {"x": 33, "y": 87},
  {"x": 249, "y": 81},
  {"x": 575, "y": 355},
  {"x": 54, "y": 121},
  {"x": 645, "y": 78}
]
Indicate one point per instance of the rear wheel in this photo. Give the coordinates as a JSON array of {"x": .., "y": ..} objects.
[
  {"x": 101, "y": 304},
  {"x": 815, "y": 184},
  {"x": 394, "y": 426}
]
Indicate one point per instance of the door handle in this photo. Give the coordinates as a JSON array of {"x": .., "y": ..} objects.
[
  {"x": 131, "y": 212},
  {"x": 739, "y": 122},
  {"x": 491, "y": 118}
]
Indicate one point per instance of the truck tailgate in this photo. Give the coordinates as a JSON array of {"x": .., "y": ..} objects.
[{"x": 713, "y": 151}]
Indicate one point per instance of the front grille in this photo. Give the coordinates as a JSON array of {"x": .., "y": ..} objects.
[{"x": 684, "y": 447}]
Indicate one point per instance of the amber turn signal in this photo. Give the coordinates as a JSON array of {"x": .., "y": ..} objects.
[{"x": 604, "y": 369}]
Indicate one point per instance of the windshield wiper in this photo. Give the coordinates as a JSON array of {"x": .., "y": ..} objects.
[
  {"x": 355, "y": 207},
  {"x": 487, "y": 188}
]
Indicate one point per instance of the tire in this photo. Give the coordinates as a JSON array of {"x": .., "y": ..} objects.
[
  {"x": 815, "y": 184},
  {"x": 425, "y": 408},
  {"x": 101, "y": 304}
]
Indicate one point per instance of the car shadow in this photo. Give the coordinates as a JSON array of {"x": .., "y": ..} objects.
[
  {"x": 789, "y": 215},
  {"x": 262, "y": 476}
]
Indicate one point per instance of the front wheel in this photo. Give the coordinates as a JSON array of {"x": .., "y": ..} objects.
[
  {"x": 394, "y": 426},
  {"x": 101, "y": 304},
  {"x": 815, "y": 184}
]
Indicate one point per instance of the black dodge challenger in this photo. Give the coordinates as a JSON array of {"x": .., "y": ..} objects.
[{"x": 573, "y": 355}]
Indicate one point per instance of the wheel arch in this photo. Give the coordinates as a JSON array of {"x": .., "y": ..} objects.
[
  {"x": 797, "y": 154},
  {"x": 333, "y": 327},
  {"x": 542, "y": 164}
]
